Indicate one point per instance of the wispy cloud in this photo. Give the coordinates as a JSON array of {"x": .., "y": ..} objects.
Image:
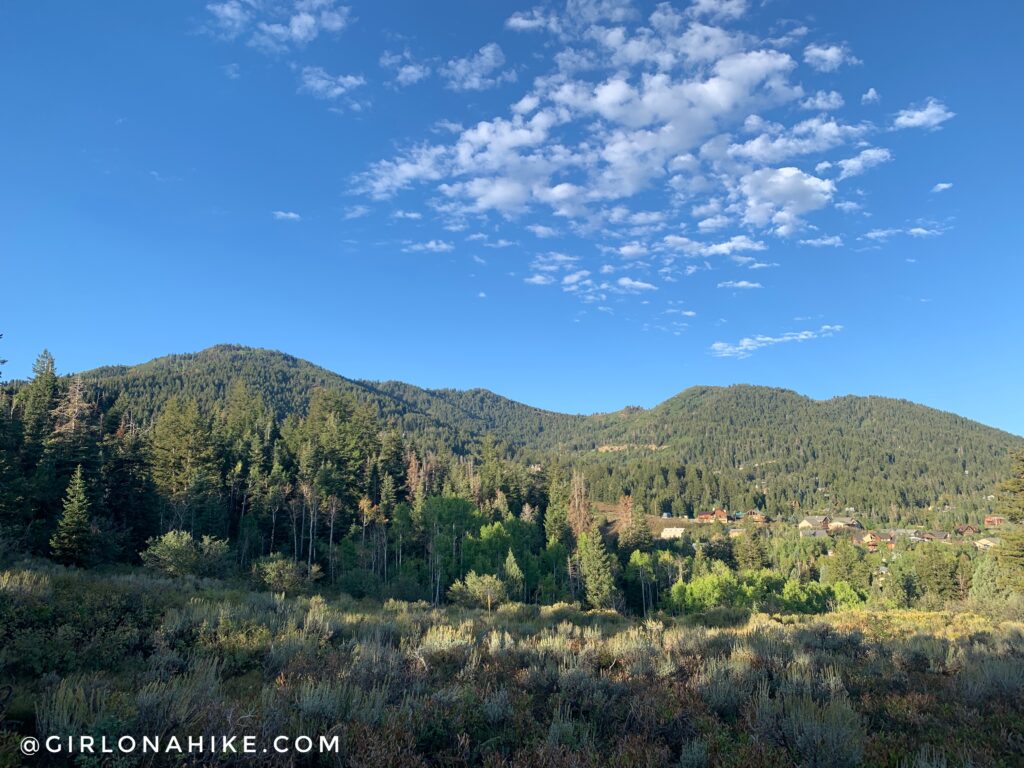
[
  {"x": 739, "y": 284},
  {"x": 286, "y": 216},
  {"x": 745, "y": 347},
  {"x": 942, "y": 186},
  {"x": 434, "y": 246},
  {"x": 830, "y": 241}
]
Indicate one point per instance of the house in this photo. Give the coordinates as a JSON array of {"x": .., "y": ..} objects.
[
  {"x": 672, "y": 533},
  {"x": 868, "y": 539},
  {"x": 984, "y": 545},
  {"x": 942, "y": 536},
  {"x": 717, "y": 516},
  {"x": 818, "y": 522},
  {"x": 843, "y": 523},
  {"x": 994, "y": 521},
  {"x": 967, "y": 530},
  {"x": 757, "y": 517}
]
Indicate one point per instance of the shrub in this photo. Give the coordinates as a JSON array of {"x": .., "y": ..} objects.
[
  {"x": 176, "y": 553},
  {"x": 278, "y": 574}
]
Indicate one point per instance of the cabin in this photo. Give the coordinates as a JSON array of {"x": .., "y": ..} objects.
[
  {"x": 967, "y": 530},
  {"x": 757, "y": 517},
  {"x": 984, "y": 545},
  {"x": 994, "y": 521},
  {"x": 717, "y": 516},
  {"x": 673, "y": 533},
  {"x": 814, "y": 522}
]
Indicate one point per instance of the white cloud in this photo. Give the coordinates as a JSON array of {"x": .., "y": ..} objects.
[
  {"x": 277, "y": 27},
  {"x": 930, "y": 116},
  {"x": 317, "y": 82},
  {"x": 739, "y": 284},
  {"x": 719, "y": 9},
  {"x": 481, "y": 295},
  {"x": 828, "y": 58},
  {"x": 356, "y": 212},
  {"x": 286, "y": 216},
  {"x": 574, "y": 277},
  {"x": 868, "y": 158},
  {"x": 832, "y": 241},
  {"x": 232, "y": 71},
  {"x": 478, "y": 72},
  {"x": 780, "y": 196},
  {"x": 870, "y": 96},
  {"x": 883, "y": 234},
  {"x": 413, "y": 215},
  {"x": 539, "y": 280},
  {"x": 541, "y": 231},
  {"x": 747, "y": 346},
  {"x": 434, "y": 246},
  {"x": 824, "y": 101},
  {"x": 629, "y": 284},
  {"x": 817, "y": 134},
  {"x": 535, "y": 20},
  {"x": 407, "y": 71},
  {"x": 942, "y": 186}
]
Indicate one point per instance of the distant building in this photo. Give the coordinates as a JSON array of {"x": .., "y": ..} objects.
[
  {"x": 967, "y": 530},
  {"x": 717, "y": 516},
  {"x": 757, "y": 517},
  {"x": 843, "y": 523},
  {"x": 819, "y": 522},
  {"x": 994, "y": 521},
  {"x": 673, "y": 533},
  {"x": 984, "y": 545},
  {"x": 735, "y": 533}
]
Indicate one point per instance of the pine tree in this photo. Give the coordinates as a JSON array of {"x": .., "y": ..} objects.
[
  {"x": 637, "y": 534},
  {"x": 578, "y": 516},
  {"x": 750, "y": 552},
  {"x": 514, "y": 576},
  {"x": 596, "y": 570},
  {"x": 73, "y": 541},
  {"x": 1011, "y": 490}
]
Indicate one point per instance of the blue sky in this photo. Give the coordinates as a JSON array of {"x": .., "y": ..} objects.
[{"x": 580, "y": 206}]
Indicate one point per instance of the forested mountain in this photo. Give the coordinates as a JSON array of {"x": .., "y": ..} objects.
[
  {"x": 741, "y": 447},
  {"x": 440, "y": 417}
]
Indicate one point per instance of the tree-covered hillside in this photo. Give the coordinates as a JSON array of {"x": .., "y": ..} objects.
[{"x": 739, "y": 446}]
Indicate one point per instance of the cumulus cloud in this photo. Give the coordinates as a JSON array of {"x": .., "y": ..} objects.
[
  {"x": 317, "y": 82},
  {"x": 942, "y": 186},
  {"x": 406, "y": 70},
  {"x": 824, "y": 101},
  {"x": 831, "y": 241},
  {"x": 930, "y": 116},
  {"x": 739, "y": 284},
  {"x": 277, "y": 27},
  {"x": 828, "y": 58},
  {"x": 629, "y": 284},
  {"x": 478, "y": 72},
  {"x": 433, "y": 246},
  {"x": 866, "y": 159},
  {"x": 778, "y": 197},
  {"x": 745, "y": 347},
  {"x": 870, "y": 96}
]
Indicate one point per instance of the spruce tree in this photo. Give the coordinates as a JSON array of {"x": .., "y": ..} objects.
[
  {"x": 514, "y": 576},
  {"x": 596, "y": 570},
  {"x": 73, "y": 541}
]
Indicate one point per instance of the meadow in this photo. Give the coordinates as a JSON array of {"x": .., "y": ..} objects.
[{"x": 409, "y": 684}]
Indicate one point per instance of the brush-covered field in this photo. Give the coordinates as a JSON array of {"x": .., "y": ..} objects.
[{"x": 408, "y": 684}]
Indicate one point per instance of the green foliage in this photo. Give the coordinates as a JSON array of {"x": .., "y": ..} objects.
[
  {"x": 597, "y": 570},
  {"x": 483, "y": 591},
  {"x": 74, "y": 540},
  {"x": 176, "y": 553}
]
